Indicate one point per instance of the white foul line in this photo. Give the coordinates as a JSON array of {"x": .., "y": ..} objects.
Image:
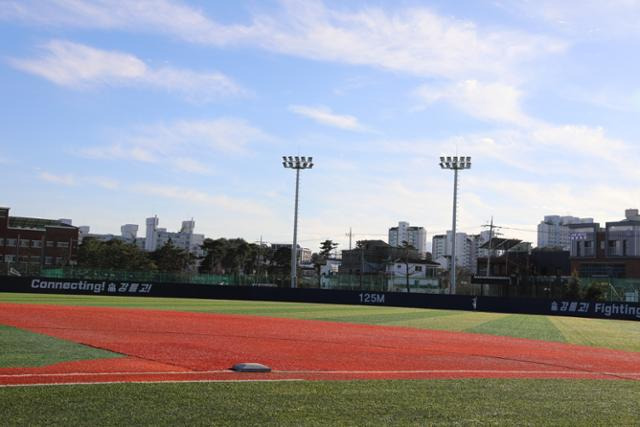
[
  {"x": 153, "y": 382},
  {"x": 320, "y": 372}
]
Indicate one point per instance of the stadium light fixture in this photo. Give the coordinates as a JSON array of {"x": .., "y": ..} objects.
[
  {"x": 298, "y": 163},
  {"x": 454, "y": 163}
]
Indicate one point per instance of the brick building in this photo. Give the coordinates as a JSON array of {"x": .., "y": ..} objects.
[{"x": 35, "y": 241}]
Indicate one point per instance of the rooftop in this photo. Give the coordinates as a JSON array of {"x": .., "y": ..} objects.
[{"x": 35, "y": 223}]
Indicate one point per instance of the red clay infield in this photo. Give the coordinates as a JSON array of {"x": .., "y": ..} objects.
[{"x": 182, "y": 346}]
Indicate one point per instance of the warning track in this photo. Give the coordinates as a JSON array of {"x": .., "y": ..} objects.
[{"x": 161, "y": 346}]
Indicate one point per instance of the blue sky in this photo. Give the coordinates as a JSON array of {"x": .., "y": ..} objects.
[{"x": 113, "y": 111}]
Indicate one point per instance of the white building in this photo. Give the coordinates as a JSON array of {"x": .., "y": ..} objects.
[
  {"x": 331, "y": 268},
  {"x": 129, "y": 232},
  {"x": 155, "y": 237},
  {"x": 553, "y": 231},
  {"x": 439, "y": 246},
  {"x": 466, "y": 252},
  {"x": 414, "y": 236},
  {"x": 84, "y": 232},
  {"x": 422, "y": 277},
  {"x": 151, "y": 236},
  {"x": 184, "y": 239}
]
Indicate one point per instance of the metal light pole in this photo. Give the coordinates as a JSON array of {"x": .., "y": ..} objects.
[
  {"x": 297, "y": 163},
  {"x": 456, "y": 163}
]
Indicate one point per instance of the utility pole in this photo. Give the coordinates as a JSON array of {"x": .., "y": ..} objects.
[
  {"x": 349, "y": 235},
  {"x": 491, "y": 235}
]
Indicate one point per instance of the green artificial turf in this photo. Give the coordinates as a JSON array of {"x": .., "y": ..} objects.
[
  {"x": 20, "y": 348},
  {"x": 522, "y": 326},
  {"x": 607, "y": 333},
  {"x": 435, "y": 402}
]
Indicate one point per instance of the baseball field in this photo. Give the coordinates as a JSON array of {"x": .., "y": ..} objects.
[{"x": 123, "y": 360}]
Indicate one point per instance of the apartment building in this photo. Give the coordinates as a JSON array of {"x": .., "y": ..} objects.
[{"x": 414, "y": 236}]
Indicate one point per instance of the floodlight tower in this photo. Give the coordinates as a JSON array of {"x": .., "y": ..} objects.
[
  {"x": 297, "y": 163},
  {"x": 456, "y": 163}
]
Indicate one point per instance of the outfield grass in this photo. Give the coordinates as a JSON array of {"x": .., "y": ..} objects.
[
  {"x": 439, "y": 402},
  {"x": 606, "y": 333}
]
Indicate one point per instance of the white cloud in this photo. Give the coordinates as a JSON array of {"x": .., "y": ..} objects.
[
  {"x": 585, "y": 19},
  {"x": 120, "y": 151},
  {"x": 65, "y": 179},
  {"x": 191, "y": 165},
  {"x": 72, "y": 64},
  {"x": 80, "y": 66},
  {"x": 104, "y": 182},
  {"x": 70, "y": 180},
  {"x": 198, "y": 197},
  {"x": 566, "y": 151},
  {"x": 488, "y": 101},
  {"x": 325, "y": 116},
  {"x": 410, "y": 40},
  {"x": 187, "y": 145}
]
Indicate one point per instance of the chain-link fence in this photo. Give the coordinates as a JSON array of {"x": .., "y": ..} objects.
[
  {"x": 597, "y": 289},
  {"x": 593, "y": 289}
]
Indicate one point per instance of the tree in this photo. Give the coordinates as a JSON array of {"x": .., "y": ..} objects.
[
  {"x": 253, "y": 259},
  {"x": 572, "y": 289},
  {"x": 406, "y": 248},
  {"x": 214, "y": 253},
  {"x": 235, "y": 257},
  {"x": 113, "y": 255},
  {"x": 280, "y": 261},
  {"x": 326, "y": 248},
  {"x": 172, "y": 258},
  {"x": 595, "y": 292},
  {"x": 264, "y": 255},
  {"x": 224, "y": 256}
]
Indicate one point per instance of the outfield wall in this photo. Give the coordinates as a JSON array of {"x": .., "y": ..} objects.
[{"x": 607, "y": 310}]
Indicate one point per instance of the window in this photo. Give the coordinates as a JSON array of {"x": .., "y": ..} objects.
[
  {"x": 59, "y": 260},
  {"x": 36, "y": 243},
  {"x": 11, "y": 242},
  {"x": 48, "y": 260},
  {"x": 63, "y": 244},
  {"x": 9, "y": 258},
  {"x": 50, "y": 243},
  {"x": 1, "y": 241},
  {"x": 24, "y": 243}
]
